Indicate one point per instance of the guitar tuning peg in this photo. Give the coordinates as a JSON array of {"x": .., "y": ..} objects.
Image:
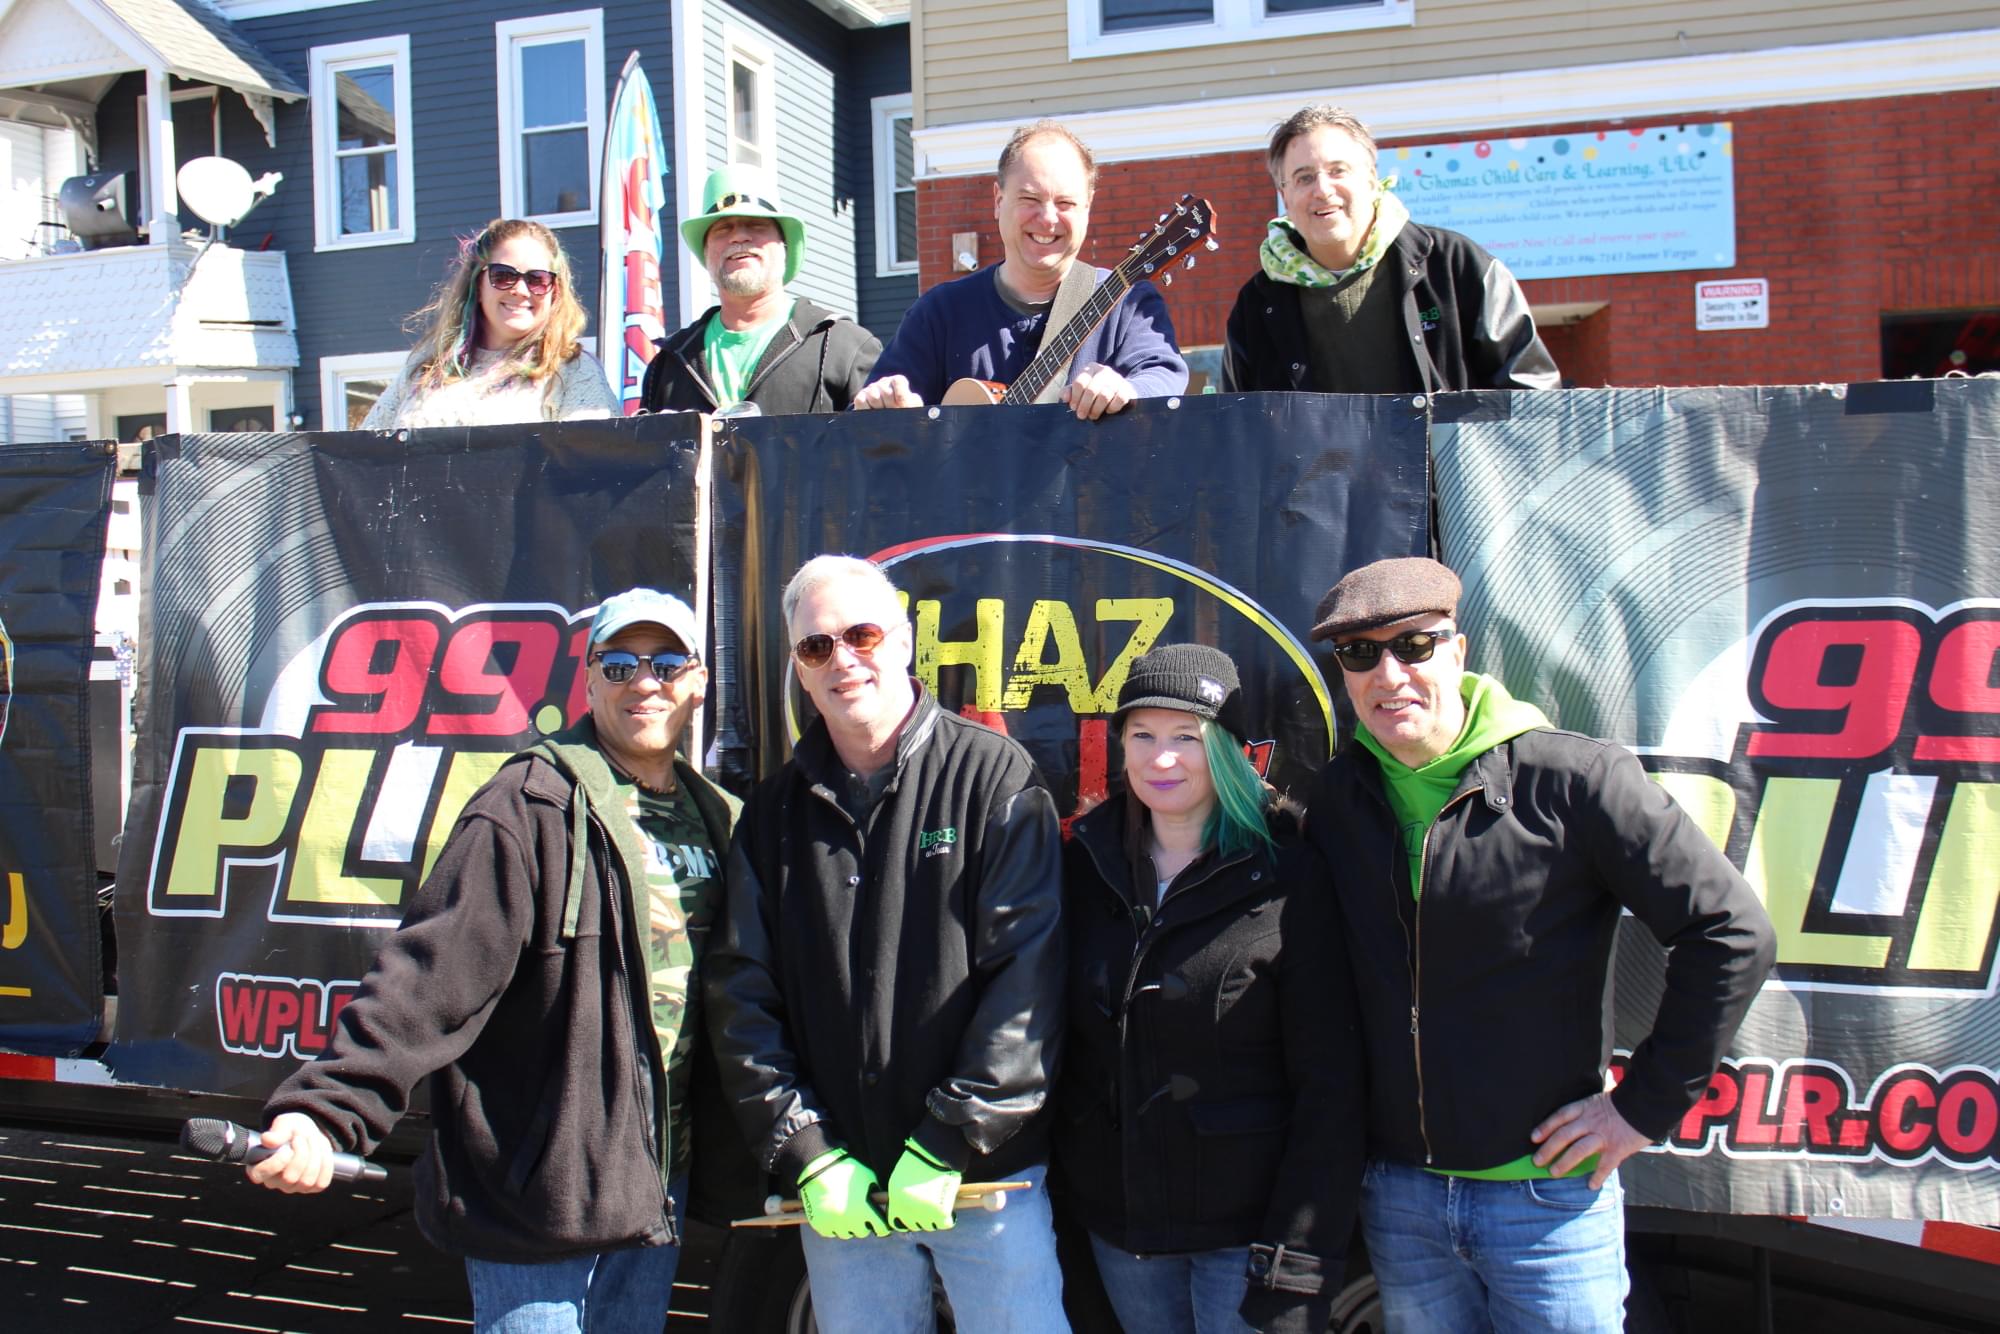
[
  {"x": 1161, "y": 219},
  {"x": 1211, "y": 244},
  {"x": 1188, "y": 263},
  {"x": 1167, "y": 279},
  {"x": 1146, "y": 269}
]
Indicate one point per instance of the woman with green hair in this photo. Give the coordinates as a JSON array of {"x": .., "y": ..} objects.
[
  {"x": 500, "y": 340},
  {"x": 1209, "y": 1128}
]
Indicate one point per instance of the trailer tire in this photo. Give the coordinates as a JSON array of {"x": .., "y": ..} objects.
[
  {"x": 760, "y": 1287},
  {"x": 1358, "y": 1308}
]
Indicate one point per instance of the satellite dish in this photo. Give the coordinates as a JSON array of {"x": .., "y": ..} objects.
[{"x": 217, "y": 189}]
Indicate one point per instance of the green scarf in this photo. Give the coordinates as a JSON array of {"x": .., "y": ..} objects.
[
  {"x": 1417, "y": 795},
  {"x": 1286, "y": 259}
]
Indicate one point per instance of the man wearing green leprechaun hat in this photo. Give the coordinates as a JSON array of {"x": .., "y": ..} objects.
[{"x": 761, "y": 344}]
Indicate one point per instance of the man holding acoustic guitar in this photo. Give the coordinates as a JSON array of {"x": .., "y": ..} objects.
[{"x": 1038, "y": 326}]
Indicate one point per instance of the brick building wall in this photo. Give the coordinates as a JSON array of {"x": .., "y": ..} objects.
[{"x": 1852, "y": 210}]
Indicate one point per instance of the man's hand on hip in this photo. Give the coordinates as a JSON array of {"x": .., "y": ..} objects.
[
  {"x": 891, "y": 391},
  {"x": 1577, "y": 1130},
  {"x": 1098, "y": 391},
  {"x": 303, "y": 1163}
]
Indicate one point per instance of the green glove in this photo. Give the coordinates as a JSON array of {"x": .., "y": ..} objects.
[
  {"x": 834, "y": 1191},
  {"x": 922, "y": 1191}
]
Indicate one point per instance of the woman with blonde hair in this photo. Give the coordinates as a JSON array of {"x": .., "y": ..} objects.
[{"x": 499, "y": 340}]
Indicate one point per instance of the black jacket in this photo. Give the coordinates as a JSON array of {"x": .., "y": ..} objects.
[
  {"x": 1486, "y": 1003},
  {"x": 518, "y": 983},
  {"x": 816, "y": 363},
  {"x": 1465, "y": 317},
  {"x": 1212, "y": 1088},
  {"x": 901, "y": 977}
]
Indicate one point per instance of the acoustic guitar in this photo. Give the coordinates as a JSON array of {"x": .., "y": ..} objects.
[{"x": 1182, "y": 230}]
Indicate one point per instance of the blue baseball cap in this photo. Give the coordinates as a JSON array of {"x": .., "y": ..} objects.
[{"x": 646, "y": 606}]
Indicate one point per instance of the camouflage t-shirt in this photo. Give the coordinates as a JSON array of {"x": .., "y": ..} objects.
[{"x": 678, "y": 904}]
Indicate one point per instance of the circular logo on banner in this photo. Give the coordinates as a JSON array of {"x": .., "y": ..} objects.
[{"x": 1034, "y": 634}]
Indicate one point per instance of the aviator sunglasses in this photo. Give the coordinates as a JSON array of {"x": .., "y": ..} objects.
[
  {"x": 1414, "y": 646},
  {"x": 815, "y": 650},
  {"x": 620, "y": 666},
  {"x": 505, "y": 278}
]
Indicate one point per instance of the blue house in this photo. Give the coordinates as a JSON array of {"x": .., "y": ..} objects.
[{"x": 398, "y": 130}]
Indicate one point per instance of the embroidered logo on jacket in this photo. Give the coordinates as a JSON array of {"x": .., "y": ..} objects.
[{"x": 936, "y": 842}]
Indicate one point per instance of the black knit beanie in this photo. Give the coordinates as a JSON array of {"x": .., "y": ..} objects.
[{"x": 1193, "y": 678}]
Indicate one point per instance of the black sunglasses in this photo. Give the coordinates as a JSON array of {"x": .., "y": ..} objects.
[
  {"x": 1413, "y": 646},
  {"x": 619, "y": 666},
  {"x": 864, "y": 639},
  {"x": 505, "y": 278}
]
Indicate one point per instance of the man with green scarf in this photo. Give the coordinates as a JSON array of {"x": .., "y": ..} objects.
[
  {"x": 1485, "y": 860},
  {"x": 1356, "y": 297}
]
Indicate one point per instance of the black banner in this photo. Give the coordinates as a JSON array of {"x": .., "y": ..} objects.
[
  {"x": 1787, "y": 601},
  {"x": 54, "y": 503},
  {"x": 344, "y": 636},
  {"x": 1041, "y": 554}
]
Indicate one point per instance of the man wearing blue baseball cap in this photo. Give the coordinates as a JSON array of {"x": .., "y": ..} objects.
[
  {"x": 570, "y": 898},
  {"x": 759, "y": 344}
]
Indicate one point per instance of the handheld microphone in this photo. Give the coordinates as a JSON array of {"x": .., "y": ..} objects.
[{"x": 226, "y": 1142}]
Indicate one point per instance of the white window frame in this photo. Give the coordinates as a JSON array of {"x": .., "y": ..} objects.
[
  {"x": 740, "y": 47},
  {"x": 510, "y": 36},
  {"x": 887, "y": 110},
  {"x": 1234, "y": 21},
  {"x": 328, "y": 61},
  {"x": 335, "y": 372}
]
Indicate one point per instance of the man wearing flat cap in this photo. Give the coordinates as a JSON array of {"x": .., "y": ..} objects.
[
  {"x": 1485, "y": 858},
  {"x": 760, "y": 344},
  {"x": 571, "y": 898}
]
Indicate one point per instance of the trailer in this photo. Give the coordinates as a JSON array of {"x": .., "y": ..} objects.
[{"x": 1784, "y": 600}]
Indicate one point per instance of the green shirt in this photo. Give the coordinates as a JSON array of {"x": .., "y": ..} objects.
[
  {"x": 677, "y": 903},
  {"x": 732, "y": 356}
]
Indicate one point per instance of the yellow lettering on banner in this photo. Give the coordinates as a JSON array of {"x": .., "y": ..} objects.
[
  {"x": 1709, "y": 802},
  {"x": 469, "y": 771},
  {"x": 206, "y": 833},
  {"x": 16, "y": 930},
  {"x": 330, "y": 824},
  {"x": 1956, "y": 922},
  {"x": 1152, "y": 615},
  {"x": 1785, "y": 851},
  {"x": 1047, "y": 620},
  {"x": 983, "y": 653}
]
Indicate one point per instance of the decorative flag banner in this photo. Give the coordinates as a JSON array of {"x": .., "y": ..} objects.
[{"x": 631, "y": 308}]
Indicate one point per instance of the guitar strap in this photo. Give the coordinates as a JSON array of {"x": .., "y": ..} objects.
[{"x": 1075, "y": 289}]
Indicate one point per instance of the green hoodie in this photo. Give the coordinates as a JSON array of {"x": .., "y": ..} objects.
[{"x": 1417, "y": 795}]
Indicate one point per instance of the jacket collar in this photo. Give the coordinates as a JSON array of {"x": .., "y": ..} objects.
[
  {"x": 821, "y": 763},
  {"x": 1491, "y": 773},
  {"x": 1101, "y": 835}
]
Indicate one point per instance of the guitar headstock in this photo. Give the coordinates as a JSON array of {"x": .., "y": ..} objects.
[{"x": 1181, "y": 231}]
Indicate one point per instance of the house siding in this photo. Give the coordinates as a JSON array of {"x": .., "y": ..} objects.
[
  {"x": 879, "y": 62},
  {"x": 976, "y": 63}
]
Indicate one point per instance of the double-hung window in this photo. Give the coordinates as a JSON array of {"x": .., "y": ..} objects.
[
  {"x": 895, "y": 187},
  {"x": 753, "y": 113},
  {"x": 362, "y": 171},
  {"x": 551, "y": 107},
  {"x": 1121, "y": 27}
]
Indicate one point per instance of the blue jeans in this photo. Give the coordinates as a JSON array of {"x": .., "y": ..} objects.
[
  {"x": 998, "y": 1269},
  {"x": 625, "y": 1291},
  {"x": 1459, "y": 1256},
  {"x": 1196, "y": 1293}
]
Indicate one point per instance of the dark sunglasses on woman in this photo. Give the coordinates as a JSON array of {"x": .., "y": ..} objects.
[
  {"x": 816, "y": 650},
  {"x": 1415, "y": 646},
  {"x": 505, "y": 278}
]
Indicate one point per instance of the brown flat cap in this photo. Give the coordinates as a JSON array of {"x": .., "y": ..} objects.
[{"x": 1384, "y": 593}]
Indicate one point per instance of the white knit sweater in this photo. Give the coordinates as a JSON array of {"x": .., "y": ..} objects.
[{"x": 491, "y": 396}]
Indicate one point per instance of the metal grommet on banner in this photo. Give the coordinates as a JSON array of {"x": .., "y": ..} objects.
[
  {"x": 933, "y": 414},
  {"x": 1417, "y": 402},
  {"x": 1174, "y": 402}
]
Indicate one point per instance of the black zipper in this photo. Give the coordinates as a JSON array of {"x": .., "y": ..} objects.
[{"x": 662, "y": 1127}]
